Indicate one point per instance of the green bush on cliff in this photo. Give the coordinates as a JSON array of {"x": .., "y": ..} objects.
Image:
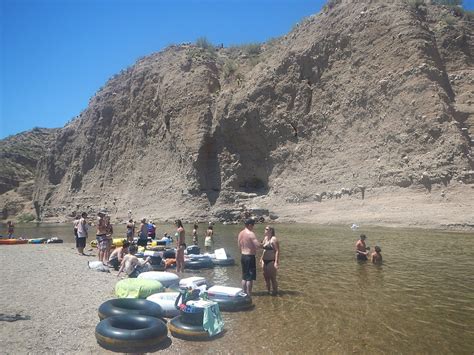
[{"x": 26, "y": 217}]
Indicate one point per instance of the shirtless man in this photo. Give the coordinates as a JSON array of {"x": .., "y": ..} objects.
[
  {"x": 131, "y": 264},
  {"x": 361, "y": 249},
  {"x": 248, "y": 244},
  {"x": 101, "y": 236},
  {"x": 117, "y": 255}
]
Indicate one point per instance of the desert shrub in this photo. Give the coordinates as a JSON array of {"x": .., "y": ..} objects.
[
  {"x": 273, "y": 41},
  {"x": 252, "y": 49},
  {"x": 415, "y": 4},
  {"x": 229, "y": 68},
  {"x": 449, "y": 20},
  {"x": 26, "y": 217},
  {"x": 254, "y": 61},
  {"x": 204, "y": 43}
]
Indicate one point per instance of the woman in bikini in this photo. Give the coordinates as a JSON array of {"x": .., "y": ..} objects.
[
  {"x": 270, "y": 259},
  {"x": 180, "y": 245}
]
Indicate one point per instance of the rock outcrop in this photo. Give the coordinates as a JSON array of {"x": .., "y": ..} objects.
[
  {"x": 19, "y": 155},
  {"x": 360, "y": 96}
]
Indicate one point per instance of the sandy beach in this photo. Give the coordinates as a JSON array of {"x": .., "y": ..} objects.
[
  {"x": 50, "y": 288},
  {"x": 53, "y": 288}
]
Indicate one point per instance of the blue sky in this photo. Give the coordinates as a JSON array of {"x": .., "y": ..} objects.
[{"x": 55, "y": 54}]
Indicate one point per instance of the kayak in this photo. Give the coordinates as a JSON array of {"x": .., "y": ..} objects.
[
  {"x": 13, "y": 241},
  {"x": 37, "y": 241}
]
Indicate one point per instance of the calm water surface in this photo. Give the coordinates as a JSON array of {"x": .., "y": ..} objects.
[{"x": 420, "y": 301}]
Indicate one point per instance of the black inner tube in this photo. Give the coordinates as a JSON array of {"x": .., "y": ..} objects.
[{"x": 123, "y": 306}]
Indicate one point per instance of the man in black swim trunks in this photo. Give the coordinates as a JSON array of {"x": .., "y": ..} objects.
[{"x": 248, "y": 244}]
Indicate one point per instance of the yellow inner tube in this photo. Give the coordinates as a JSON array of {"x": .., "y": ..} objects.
[{"x": 116, "y": 242}]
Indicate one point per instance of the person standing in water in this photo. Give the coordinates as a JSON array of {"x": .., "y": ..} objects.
[
  {"x": 376, "y": 256},
  {"x": 195, "y": 234},
  {"x": 143, "y": 234},
  {"x": 270, "y": 259},
  {"x": 361, "y": 249},
  {"x": 130, "y": 230},
  {"x": 209, "y": 239},
  {"x": 248, "y": 244},
  {"x": 180, "y": 245}
]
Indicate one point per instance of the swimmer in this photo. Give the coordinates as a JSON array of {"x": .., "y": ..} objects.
[
  {"x": 361, "y": 249},
  {"x": 376, "y": 256}
]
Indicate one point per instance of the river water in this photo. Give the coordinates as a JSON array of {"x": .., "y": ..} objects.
[{"x": 421, "y": 300}]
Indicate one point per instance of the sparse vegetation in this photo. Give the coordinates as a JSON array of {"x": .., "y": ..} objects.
[
  {"x": 330, "y": 5},
  {"x": 252, "y": 49},
  {"x": 204, "y": 43},
  {"x": 205, "y": 49},
  {"x": 26, "y": 217},
  {"x": 447, "y": 2},
  {"x": 229, "y": 68},
  {"x": 449, "y": 20},
  {"x": 415, "y": 4}
]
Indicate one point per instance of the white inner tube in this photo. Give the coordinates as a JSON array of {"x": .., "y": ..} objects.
[
  {"x": 166, "y": 300},
  {"x": 167, "y": 279}
]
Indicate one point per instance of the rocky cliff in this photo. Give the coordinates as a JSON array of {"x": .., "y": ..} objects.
[
  {"x": 19, "y": 155},
  {"x": 357, "y": 98}
]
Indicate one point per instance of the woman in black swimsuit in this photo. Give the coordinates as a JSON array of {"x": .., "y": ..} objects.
[{"x": 270, "y": 259}]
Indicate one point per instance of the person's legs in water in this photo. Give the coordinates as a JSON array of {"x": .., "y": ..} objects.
[{"x": 267, "y": 274}]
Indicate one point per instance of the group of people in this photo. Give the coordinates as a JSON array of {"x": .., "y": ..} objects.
[
  {"x": 363, "y": 251},
  {"x": 123, "y": 258},
  {"x": 181, "y": 241},
  {"x": 103, "y": 235},
  {"x": 269, "y": 260}
]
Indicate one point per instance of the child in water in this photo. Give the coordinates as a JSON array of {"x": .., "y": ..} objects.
[{"x": 377, "y": 256}]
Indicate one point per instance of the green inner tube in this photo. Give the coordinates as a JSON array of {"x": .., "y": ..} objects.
[{"x": 130, "y": 333}]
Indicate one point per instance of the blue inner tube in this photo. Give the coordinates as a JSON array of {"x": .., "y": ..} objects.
[
  {"x": 130, "y": 333},
  {"x": 233, "y": 304},
  {"x": 185, "y": 331},
  {"x": 199, "y": 263},
  {"x": 129, "y": 306},
  {"x": 224, "y": 262}
]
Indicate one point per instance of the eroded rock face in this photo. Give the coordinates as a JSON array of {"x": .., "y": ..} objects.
[
  {"x": 362, "y": 95},
  {"x": 19, "y": 155}
]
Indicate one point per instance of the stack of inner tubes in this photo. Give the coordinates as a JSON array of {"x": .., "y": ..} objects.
[{"x": 130, "y": 325}]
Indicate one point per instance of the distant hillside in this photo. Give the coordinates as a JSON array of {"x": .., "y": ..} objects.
[{"x": 359, "y": 99}]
